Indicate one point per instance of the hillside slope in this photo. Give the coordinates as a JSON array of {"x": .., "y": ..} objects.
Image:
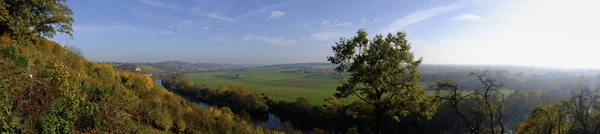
[{"x": 45, "y": 88}]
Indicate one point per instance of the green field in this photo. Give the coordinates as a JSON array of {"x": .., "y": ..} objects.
[
  {"x": 274, "y": 82},
  {"x": 151, "y": 69},
  {"x": 281, "y": 82}
]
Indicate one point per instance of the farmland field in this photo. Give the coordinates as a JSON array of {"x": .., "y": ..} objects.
[
  {"x": 277, "y": 82},
  {"x": 151, "y": 69},
  {"x": 285, "y": 82}
]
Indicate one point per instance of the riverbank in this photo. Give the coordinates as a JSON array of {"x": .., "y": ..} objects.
[{"x": 272, "y": 122}]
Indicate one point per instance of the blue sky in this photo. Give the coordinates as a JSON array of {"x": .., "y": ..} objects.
[{"x": 508, "y": 32}]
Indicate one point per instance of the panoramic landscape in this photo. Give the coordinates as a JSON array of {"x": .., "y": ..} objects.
[{"x": 300, "y": 66}]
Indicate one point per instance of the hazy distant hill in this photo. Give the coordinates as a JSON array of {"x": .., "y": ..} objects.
[
  {"x": 512, "y": 77},
  {"x": 186, "y": 67}
]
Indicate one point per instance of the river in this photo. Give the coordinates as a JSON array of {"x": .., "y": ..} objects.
[{"x": 271, "y": 123}]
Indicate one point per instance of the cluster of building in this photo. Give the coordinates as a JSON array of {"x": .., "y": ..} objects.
[
  {"x": 131, "y": 68},
  {"x": 189, "y": 67}
]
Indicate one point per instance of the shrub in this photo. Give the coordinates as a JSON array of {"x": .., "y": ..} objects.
[{"x": 12, "y": 53}]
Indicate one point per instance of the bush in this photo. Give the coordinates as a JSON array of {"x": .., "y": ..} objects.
[
  {"x": 12, "y": 53},
  {"x": 8, "y": 118}
]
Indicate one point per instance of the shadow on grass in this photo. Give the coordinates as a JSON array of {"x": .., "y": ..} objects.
[{"x": 228, "y": 77}]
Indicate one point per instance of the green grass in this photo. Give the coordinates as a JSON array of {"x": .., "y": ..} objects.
[
  {"x": 278, "y": 84},
  {"x": 151, "y": 69},
  {"x": 273, "y": 82}
]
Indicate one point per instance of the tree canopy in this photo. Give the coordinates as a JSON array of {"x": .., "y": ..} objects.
[
  {"x": 383, "y": 73},
  {"x": 21, "y": 18}
]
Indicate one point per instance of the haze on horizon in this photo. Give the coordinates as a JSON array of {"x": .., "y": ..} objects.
[{"x": 550, "y": 33}]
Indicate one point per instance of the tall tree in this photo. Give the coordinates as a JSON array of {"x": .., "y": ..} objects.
[
  {"x": 21, "y": 18},
  {"x": 550, "y": 119},
  {"x": 486, "y": 103},
  {"x": 583, "y": 110},
  {"x": 383, "y": 73}
]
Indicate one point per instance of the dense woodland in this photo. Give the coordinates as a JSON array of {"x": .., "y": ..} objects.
[{"x": 49, "y": 88}]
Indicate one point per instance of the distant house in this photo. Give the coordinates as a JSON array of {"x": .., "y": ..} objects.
[{"x": 138, "y": 69}]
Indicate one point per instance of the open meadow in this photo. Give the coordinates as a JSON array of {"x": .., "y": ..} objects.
[
  {"x": 277, "y": 82},
  {"x": 313, "y": 81}
]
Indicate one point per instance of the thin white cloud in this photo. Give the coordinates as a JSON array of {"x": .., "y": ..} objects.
[
  {"x": 183, "y": 24},
  {"x": 172, "y": 26},
  {"x": 112, "y": 28},
  {"x": 247, "y": 37},
  {"x": 119, "y": 29},
  {"x": 331, "y": 24},
  {"x": 215, "y": 16},
  {"x": 206, "y": 28},
  {"x": 363, "y": 20},
  {"x": 271, "y": 39},
  {"x": 337, "y": 25},
  {"x": 264, "y": 9},
  {"x": 162, "y": 33},
  {"x": 158, "y": 3},
  {"x": 276, "y": 14},
  {"x": 144, "y": 12},
  {"x": 419, "y": 16},
  {"x": 197, "y": 11},
  {"x": 167, "y": 32},
  {"x": 324, "y": 36},
  {"x": 469, "y": 17},
  {"x": 211, "y": 15}
]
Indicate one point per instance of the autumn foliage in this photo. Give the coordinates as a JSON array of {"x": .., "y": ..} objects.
[{"x": 45, "y": 88}]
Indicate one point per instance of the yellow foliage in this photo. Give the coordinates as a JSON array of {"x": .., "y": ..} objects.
[
  {"x": 220, "y": 89},
  {"x": 238, "y": 89},
  {"x": 110, "y": 101}
]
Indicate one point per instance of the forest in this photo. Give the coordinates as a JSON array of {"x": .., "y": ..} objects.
[{"x": 46, "y": 87}]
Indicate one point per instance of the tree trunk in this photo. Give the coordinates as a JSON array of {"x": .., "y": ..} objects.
[
  {"x": 377, "y": 120},
  {"x": 3, "y": 29}
]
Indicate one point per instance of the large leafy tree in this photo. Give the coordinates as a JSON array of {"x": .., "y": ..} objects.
[
  {"x": 21, "y": 18},
  {"x": 382, "y": 73}
]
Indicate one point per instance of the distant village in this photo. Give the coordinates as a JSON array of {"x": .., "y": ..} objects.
[
  {"x": 171, "y": 68},
  {"x": 130, "y": 67},
  {"x": 185, "y": 67}
]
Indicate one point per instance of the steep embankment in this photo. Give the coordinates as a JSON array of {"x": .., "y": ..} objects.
[{"x": 45, "y": 87}]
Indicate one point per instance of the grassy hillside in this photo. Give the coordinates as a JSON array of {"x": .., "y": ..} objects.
[
  {"x": 285, "y": 82},
  {"x": 45, "y": 88},
  {"x": 151, "y": 69}
]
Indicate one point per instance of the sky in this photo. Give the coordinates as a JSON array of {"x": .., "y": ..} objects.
[{"x": 551, "y": 33}]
